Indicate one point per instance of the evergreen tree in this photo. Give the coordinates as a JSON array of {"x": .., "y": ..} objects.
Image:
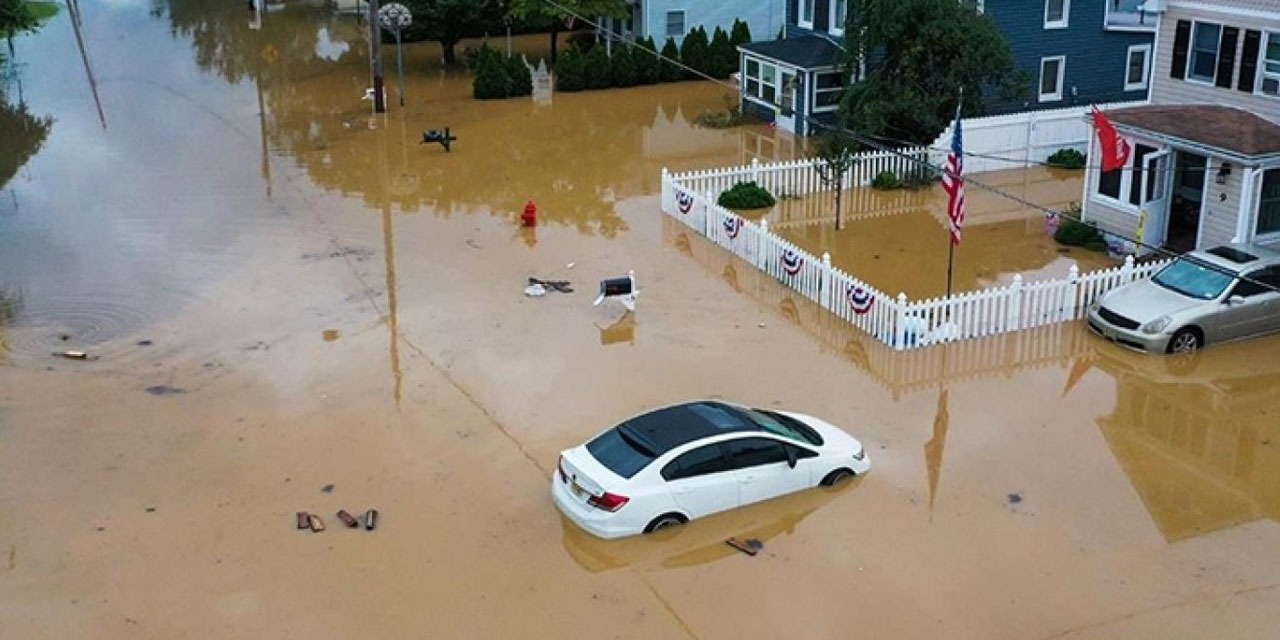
[
  {"x": 722, "y": 59},
  {"x": 622, "y": 66},
  {"x": 597, "y": 69},
  {"x": 519, "y": 77},
  {"x": 694, "y": 51},
  {"x": 571, "y": 70},
  {"x": 645, "y": 59},
  {"x": 741, "y": 34},
  {"x": 669, "y": 72},
  {"x": 491, "y": 76}
]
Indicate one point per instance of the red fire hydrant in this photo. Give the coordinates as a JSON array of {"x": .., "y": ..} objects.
[{"x": 530, "y": 216}]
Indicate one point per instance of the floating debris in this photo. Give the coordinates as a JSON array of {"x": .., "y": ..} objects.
[
  {"x": 1014, "y": 498},
  {"x": 164, "y": 390},
  {"x": 563, "y": 286},
  {"x": 74, "y": 355},
  {"x": 304, "y": 520},
  {"x": 347, "y": 519},
  {"x": 144, "y": 343},
  {"x": 370, "y": 519},
  {"x": 317, "y": 525},
  {"x": 328, "y": 488},
  {"x": 745, "y": 546}
]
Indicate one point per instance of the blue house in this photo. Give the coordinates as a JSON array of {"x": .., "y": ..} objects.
[
  {"x": 664, "y": 19},
  {"x": 1075, "y": 52}
]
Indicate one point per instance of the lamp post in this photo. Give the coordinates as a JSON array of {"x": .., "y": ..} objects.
[{"x": 394, "y": 17}]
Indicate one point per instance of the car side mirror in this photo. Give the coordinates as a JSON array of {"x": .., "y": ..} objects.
[
  {"x": 1235, "y": 300},
  {"x": 791, "y": 457}
]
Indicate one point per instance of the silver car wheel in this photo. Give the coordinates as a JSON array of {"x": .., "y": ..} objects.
[{"x": 1185, "y": 342}]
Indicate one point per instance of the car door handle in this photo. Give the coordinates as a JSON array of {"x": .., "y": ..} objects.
[{"x": 684, "y": 490}]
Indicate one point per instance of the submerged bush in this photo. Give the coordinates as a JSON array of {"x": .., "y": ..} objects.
[
  {"x": 1067, "y": 159},
  {"x": 1072, "y": 232},
  {"x": 570, "y": 70},
  {"x": 598, "y": 72},
  {"x": 644, "y": 58},
  {"x": 746, "y": 195},
  {"x": 886, "y": 180}
]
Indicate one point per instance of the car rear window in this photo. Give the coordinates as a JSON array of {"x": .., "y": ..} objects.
[{"x": 622, "y": 455}]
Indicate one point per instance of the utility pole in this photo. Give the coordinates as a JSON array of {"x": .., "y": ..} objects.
[{"x": 375, "y": 58}]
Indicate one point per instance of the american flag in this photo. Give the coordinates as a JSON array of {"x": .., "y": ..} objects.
[{"x": 953, "y": 181}]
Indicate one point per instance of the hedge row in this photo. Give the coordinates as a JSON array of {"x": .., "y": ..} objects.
[{"x": 637, "y": 64}]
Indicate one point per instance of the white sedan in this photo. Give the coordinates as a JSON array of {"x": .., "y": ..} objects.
[{"x": 666, "y": 467}]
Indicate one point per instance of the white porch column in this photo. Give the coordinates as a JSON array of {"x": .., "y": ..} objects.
[
  {"x": 1249, "y": 184},
  {"x": 1089, "y": 172}
]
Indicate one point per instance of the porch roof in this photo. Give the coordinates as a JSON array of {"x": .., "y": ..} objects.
[
  {"x": 804, "y": 52},
  {"x": 1230, "y": 132}
]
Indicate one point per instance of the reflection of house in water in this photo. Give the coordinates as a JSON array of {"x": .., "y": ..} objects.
[{"x": 1203, "y": 449}]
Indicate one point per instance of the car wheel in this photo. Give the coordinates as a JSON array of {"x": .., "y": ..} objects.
[
  {"x": 1185, "y": 340},
  {"x": 665, "y": 521},
  {"x": 837, "y": 476}
]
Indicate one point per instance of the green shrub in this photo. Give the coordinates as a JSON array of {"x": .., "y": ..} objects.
[
  {"x": 722, "y": 59},
  {"x": 1067, "y": 159},
  {"x": 622, "y": 67},
  {"x": 519, "y": 77},
  {"x": 491, "y": 76},
  {"x": 694, "y": 52},
  {"x": 571, "y": 70},
  {"x": 669, "y": 72},
  {"x": 731, "y": 116},
  {"x": 645, "y": 59},
  {"x": 597, "y": 72},
  {"x": 746, "y": 195},
  {"x": 886, "y": 180},
  {"x": 1072, "y": 232},
  {"x": 740, "y": 35}
]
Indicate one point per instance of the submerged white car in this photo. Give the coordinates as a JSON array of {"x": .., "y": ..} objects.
[{"x": 669, "y": 466}]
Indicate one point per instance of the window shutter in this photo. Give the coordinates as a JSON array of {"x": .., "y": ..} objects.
[
  {"x": 1227, "y": 56},
  {"x": 1249, "y": 61},
  {"x": 1181, "y": 40}
]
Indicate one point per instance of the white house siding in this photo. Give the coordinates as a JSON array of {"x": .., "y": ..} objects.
[
  {"x": 765, "y": 17},
  {"x": 1168, "y": 90},
  {"x": 1120, "y": 222}
]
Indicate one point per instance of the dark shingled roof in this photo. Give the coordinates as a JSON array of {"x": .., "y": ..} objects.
[
  {"x": 806, "y": 52},
  {"x": 1227, "y": 128},
  {"x": 665, "y": 429}
]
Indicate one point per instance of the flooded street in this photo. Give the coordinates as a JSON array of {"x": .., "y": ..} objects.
[{"x": 282, "y": 292}]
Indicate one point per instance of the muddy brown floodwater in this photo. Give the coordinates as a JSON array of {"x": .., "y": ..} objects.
[{"x": 236, "y": 200}]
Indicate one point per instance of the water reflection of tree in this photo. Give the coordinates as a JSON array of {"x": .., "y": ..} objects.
[{"x": 23, "y": 135}]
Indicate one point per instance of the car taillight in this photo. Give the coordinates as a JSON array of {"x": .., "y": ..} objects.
[
  {"x": 564, "y": 477},
  {"x": 608, "y": 501}
]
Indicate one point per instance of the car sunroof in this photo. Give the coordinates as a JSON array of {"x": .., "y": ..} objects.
[{"x": 1235, "y": 255}]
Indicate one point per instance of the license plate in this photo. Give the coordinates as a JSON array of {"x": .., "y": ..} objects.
[{"x": 577, "y": 490}]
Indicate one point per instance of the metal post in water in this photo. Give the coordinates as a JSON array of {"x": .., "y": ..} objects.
[{"x": 375, "y": 59}]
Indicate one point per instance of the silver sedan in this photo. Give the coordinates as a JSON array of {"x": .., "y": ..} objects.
[{"x": 1225, "y": 293}]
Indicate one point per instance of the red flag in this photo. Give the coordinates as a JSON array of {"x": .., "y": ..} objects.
[{"x": 1115, "y": 149}]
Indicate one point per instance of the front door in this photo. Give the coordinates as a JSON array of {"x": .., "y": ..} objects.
[
  {"x": 1187, "y": 197},
  {"x": 1254, "y": 311},
  {"x": 701, "y": 481},
  {"x": 787, "y": 100},
  {"x": 762, "y": 469},
  {"x": 1155, "y": 198}
]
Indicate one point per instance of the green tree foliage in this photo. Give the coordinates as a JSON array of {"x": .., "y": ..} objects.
[
  {"x": 695, "y": 51},
  {"x": 722, "y": 58},
  {"x": 571, "y": 71},
  {"x": 622, "y": 66},
  {"x": 539, "y": 13},
  {"x": 448, "y": 21},
  {"x": 491, "y": 76},
  {"x": 22, "y": 135},
  {"x": 597, "y": 75},
  {"x": 668, "y": 72},
  {"x": 16, "y": 17},
  {"x": 519, "y": 77},
  {"x": 740, "y": 35},
  {"x": 931, "y": 50},
  {"x": 645, "y": 58}
]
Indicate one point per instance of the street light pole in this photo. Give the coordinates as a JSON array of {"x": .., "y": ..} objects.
[
  {"x": 375, "y": 58},
  {"x": 394, "y": 17}
]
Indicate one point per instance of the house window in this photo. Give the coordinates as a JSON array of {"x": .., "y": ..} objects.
[
  {"x": 1139, "y": 164},
  {"x": 1203, "y": 61},
  {"x": 806, "y": 13},
  {"x": 1125, "y": 183},
  {"x": 675, "y": 24},
  {"x": 1051, "y": 74},
  {"x": 1137, "y": 67},
  {"x": 1269, "y": 203},
  {"x": 762, "y": 81},
  {"x": 839, "y": 10},
  {"x": 1057, "y": 13},
  {"x": 1271, "y": 65},
  {"x": 826, "y": 91}
]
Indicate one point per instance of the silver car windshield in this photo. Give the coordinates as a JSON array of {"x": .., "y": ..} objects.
[{"x": 1194, "y": 278}]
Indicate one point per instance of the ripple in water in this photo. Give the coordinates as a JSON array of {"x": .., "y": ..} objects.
[{"x": 58, "y": 324}]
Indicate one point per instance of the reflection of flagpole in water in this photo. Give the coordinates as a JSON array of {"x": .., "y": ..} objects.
[
  {"x": 389, "y": 250},
  {"x": 262, "y": 134},
  {"x": 73, "y": 7},
  {"x": 941, "y": 421}
]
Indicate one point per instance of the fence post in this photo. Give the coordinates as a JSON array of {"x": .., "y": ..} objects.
[
  {"x": 706, "y": 217},
  {"x": 1014, "y": 317},
  {"x": 755, "y": 169},
  {"x": 764, "y": 232},
  {"x": 1072, "y": 311},
  {"x": 666, "y": 191},
  {"x": 825, "y": 286},
  {"x": 900, "y": 323},
  {"x": 1126, "y": 271}
]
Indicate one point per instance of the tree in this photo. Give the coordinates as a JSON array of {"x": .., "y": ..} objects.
[
  {"x": 597, "y": 69},
  {"x": 740, "y": 35},
  {"x": 23, "y": 135},
  {"x": 571, "y": 71},
  {"x": 931, "y": 52},
  {"x": 645, "y": 59},
  {"x": 491, "y": 76},
  {"x": 539, "y": 13},
  {"x": 835, "y": 158},
  {"x": 449, "y": 21},
  {"x": 622, "y": 66},
  {"x": 721, "y": 57},
  {"x": 669, "y": 72},
  {"x": 519, "y": 78},
  {"x": 694, "y": 51},
  {"x": 15, "y": 18}
]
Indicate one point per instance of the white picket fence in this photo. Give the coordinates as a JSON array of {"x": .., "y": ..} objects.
[
  {"x": 895, "y": 321},
  {"x": 801, "y": 177},
  {"x": 1018, "y": 139}
]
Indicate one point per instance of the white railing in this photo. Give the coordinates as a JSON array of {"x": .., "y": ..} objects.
[{"x": 895, "y": 321}]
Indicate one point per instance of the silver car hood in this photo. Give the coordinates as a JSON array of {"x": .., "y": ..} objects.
[{"x": 1144, "y": 301}]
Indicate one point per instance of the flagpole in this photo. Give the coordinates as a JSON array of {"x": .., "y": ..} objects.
[
  {"x": 951, "y": 241},
  {"x": 951, "y": 254}
]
